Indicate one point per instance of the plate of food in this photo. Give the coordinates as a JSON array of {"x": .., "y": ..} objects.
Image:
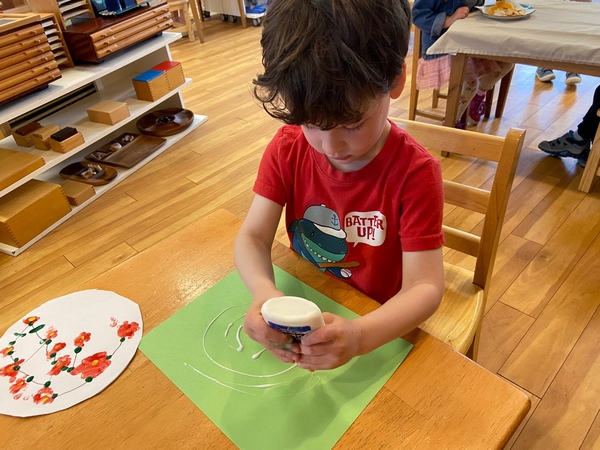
[{"x": 505, "y": 10}]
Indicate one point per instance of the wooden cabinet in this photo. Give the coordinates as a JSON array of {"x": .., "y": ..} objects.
[
  {"x": 66, "y": 102},
  {"x": 27, "y": 63},
  {"x": 92, "y": 40}
]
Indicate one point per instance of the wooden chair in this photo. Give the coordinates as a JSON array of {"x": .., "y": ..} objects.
[
  {"x": 190, "y": 26},
  {"x": 457, "y": 321},
  {"x": 592, "y": 166},
  {"x": 413, "y": 109}
]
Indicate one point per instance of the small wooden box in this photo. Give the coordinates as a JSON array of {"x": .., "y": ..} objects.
[
  {"x": 42, "y": 135},
  {"x": 151, "y": 85},
  {"x": 174, "y": 72},
  {"x": 29, "y": 210},
  {"x": 24, "y": 135},
  {"x": 108, "y": 112},
  {"x": 76, "y": 192},
  {"x": 14, "y": 165},
  {"x": 68, "y": 144}
]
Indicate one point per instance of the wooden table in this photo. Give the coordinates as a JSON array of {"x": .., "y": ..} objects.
[
  {"x": 559, "y": 35},
  {"x": 436, "y": 399}
]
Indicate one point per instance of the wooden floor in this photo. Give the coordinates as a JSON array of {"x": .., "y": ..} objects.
[{"x": 542, "y": 325}]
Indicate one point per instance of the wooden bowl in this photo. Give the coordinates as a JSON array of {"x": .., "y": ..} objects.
[
  {"x": 76, "y": 172},
  {"x": 165, "y": 122}
]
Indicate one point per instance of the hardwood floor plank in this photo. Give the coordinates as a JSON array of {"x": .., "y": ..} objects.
[
  {"x": 502, "y": 329},
  {"x": 550, "y": 267},
  {"x": 551, "y": 212},
  {"x": 592, "y": 440},
  {"x": 577, "y": 380},
  {"x": 514, "y": 254},
  {"x": 542, "y": 352}
]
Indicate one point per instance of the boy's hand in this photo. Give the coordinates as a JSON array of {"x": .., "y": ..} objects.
[
  {"x": 281, "y": 345},
  {"x": 330, "y": 346}
]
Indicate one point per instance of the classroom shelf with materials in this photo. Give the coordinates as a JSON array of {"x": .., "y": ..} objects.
[{"x": 78, "y": 89}]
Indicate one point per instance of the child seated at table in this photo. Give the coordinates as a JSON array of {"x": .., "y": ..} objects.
[
  {"x": 433, "y": 18},
  {"x": 363, "y": 200}
]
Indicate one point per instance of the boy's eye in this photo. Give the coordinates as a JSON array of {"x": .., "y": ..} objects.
[{"x": 355, "y": 128}]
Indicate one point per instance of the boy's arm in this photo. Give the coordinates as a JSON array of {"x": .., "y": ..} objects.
[
  {"x": 342, "y": 339},
  {"x": 421, "y": 294},
  {"x": 252, "y": 253},
  {"x": 252, "y": 250}
]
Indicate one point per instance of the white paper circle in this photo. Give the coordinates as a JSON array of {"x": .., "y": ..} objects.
[{"x": 66, "y": 351}]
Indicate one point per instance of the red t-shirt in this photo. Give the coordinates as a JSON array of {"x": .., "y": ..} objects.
[{"x": 355, "y": 225}]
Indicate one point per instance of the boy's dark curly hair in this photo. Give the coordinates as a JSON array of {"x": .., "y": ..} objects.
[{"x": 326, "y": 60}]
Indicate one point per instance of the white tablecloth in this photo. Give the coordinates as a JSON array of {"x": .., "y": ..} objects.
[{"x": 556, "y": 31}]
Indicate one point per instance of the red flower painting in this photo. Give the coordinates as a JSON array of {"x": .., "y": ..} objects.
[
  {"x": 57, "y": 348},
  {"x": 61, "y": 362},
  {"x": 12, "y": 370},
  {"x": 52, "y": 333},
  {"x": 127, "y": 330},
  {"x": 31, "y": 320},
  {"x": 44, "y": 396},
  {"x": 92, "y": 366},
  {"x": 17, "y": 386},
  {"x": 34, "y": 374},
  {"x": 82, "y": 339}
]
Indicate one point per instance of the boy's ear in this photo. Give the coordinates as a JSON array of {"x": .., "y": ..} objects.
[{"x": 400, "y": 82}]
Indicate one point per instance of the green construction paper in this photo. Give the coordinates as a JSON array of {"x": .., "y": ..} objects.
[{"x": 263, "y": 403}]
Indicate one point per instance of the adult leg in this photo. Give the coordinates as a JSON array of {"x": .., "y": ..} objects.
[{"x": 589, "y": 124}]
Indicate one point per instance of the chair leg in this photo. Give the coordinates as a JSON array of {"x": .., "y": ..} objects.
[
  {"x": 503, "y": 93},
  {"x": 489, "y": 99},
  {"x": 188, "y": 23},
  {"x": 414, "y": 99},
  {"x": 591, "y": 166},
  {"x": 435, "y": 98}
]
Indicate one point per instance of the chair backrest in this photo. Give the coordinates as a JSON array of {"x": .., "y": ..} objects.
[{"x": 491, "y": 203}]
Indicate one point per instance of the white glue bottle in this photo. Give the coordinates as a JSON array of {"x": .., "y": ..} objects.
[{"x": 295, "y": 316}]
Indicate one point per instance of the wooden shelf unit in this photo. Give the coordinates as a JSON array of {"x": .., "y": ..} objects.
[
  {"x": 64, "y": 10},
  {"x": 56, "y": 40},
  {"x": 112, "y": 80}
]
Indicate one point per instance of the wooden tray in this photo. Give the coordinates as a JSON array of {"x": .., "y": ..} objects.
[
  {"x": 134, "y": 148},
  {"x": 74, "y": 172}
]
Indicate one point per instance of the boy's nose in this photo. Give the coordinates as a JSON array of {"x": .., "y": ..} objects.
[{"x": 332, "y": 145}]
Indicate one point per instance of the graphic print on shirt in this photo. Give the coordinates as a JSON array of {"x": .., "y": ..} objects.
[{"x": 319, "y": 237}]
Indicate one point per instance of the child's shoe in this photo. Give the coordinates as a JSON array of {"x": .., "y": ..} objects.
[
  {"x": 544, "y": 75},
  {"x": 459, "y": 124},
  {"x": 476, "y": 109},
  {"x": 572, "y": 78},
  {"x": 566, "y": 146}
]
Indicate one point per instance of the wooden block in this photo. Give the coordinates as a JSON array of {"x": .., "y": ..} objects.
[
  {"x": 14, "y": 165},
  {"x": 108, "y": 112},
  {"x": 24, "y": 135},
  {"x": 151, "y": 85},
  {"x": 42, "y": 135},
  {"x": 29, "y": 210},
  {"x": 174, "y": 72},
  {"x": 76, "y": 192},
  {"x": 68, "y": 144}
]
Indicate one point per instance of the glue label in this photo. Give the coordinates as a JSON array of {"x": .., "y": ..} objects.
[{"x": 295, "y": 316}]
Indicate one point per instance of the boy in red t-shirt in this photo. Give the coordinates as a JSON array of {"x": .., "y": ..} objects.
[{"x": 363, "y": 200}]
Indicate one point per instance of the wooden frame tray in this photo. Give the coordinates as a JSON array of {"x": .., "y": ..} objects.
[{"x": 127, "y": 150}]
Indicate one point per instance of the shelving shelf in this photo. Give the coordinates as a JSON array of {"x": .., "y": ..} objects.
[{"x": 112, "y": 80}]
